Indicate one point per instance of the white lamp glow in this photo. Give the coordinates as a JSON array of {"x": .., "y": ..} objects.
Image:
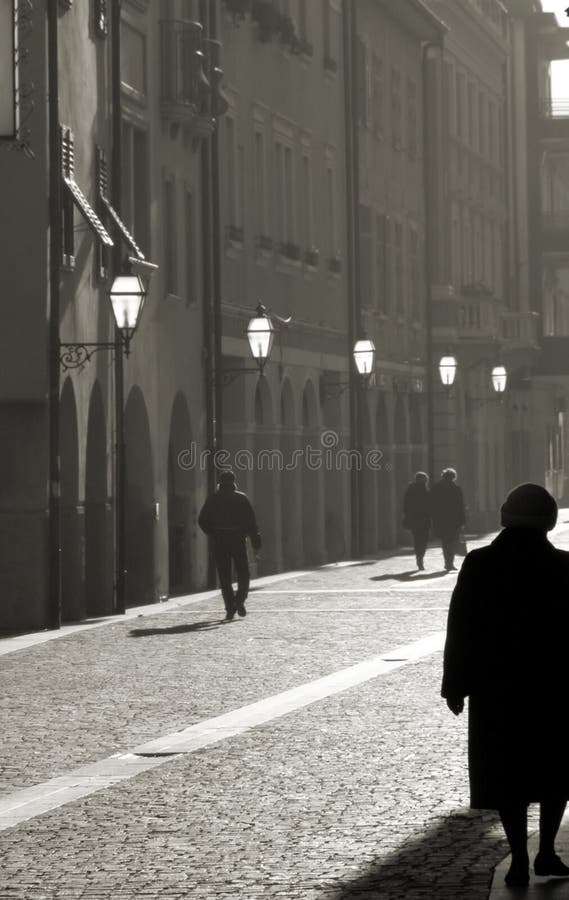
[
  {"x": 260, "y": 334},
  {"x": 364, "y": 356},
  {"x": 499, "y": 379},
  {"x": 447, "y": 369},
  {"x": 127, "y": 298}
]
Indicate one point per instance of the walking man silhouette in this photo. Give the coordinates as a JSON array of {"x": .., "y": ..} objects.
[{"x": 228, "y": 518}]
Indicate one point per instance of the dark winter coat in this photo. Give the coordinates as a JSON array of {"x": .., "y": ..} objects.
[
  {"x": 417, "y": 507},
  {"x": 228, "y": 513},
  {"x": 506, "y": 650},
  {"x": 447, "y": 509}
]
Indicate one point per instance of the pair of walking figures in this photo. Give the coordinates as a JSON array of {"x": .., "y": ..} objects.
[{"x": 440, "y": 508}]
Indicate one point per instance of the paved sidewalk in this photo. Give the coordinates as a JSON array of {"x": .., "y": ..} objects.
[{"x": 312, "y": 754}]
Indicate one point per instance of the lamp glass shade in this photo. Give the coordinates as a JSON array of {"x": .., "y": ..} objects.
[
  {"x": 499, "y": 379},
  {"x": 127, "y": 297},
  {"x": 447, "y": 370},
  {"x": 260, "y": 334},
  {"x": 364, "y": 356}
]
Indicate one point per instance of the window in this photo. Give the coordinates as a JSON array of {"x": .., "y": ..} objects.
[
  {"x": 492, "y": 154},
  {"x": 331, "y": 210},
  {"x": 135, "y": 207},
  {"x": 100, "y": 16},
  {"x": 460, "y": 106},
  {"x": 414, "y": 291},
  {"x": 230, "y": 172},
  {"x": 170, "y": 233},
  {"x": 450, "y": 97},
  {"x": 381, "y": 278},
  {"x": 306, "y": 202},
  {"x": 67, "y": 203},
  {"x": 329, "y": 37},
  {"x": 482, "y": 125},
  {"x": 411, "y": 118},
  {"x": 289, "y": 194},
  {"x": 363, "y": 84},
  {"x": 366, "y": 274},
  {"x": 190, "y": 247},
  {"x": 471, "y": 115},
  {"x": 396, "y": 138},
  {"x": 377, "y": 99},
  {"x": 280, "y": 223},
  {"x": 398, "y": 269},
  {"x": 260, "y": 183}
]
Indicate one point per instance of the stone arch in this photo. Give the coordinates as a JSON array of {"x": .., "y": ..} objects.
[
  {"x": 311, "y": 480},
  {"x": 181, "y": 501},
  {"x": 139, "y": 498},
  {"x": 71, "y": 519},
  {"x": 99, "y": 561}
]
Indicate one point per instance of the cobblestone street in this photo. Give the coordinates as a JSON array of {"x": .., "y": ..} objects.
[{"x": 360, "y": 793}]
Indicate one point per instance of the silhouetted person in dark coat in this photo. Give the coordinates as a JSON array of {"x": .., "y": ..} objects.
[
  {"x": 448, "y": 514},
  {"x": 228, "y": 518},
  {"x": 506, "y": 650},
  {"x": 417, "y": 514}
]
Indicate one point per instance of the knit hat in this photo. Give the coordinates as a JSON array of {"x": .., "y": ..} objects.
[{"x": 529, "y": 506}]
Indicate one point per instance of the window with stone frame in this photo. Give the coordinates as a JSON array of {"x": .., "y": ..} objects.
[
  {"x": 377, "y": 96},
  {"x": 412, "y": 116},
  {"x": 170, "y": 235},
  {"x": 381, "y": 264},
  {"x": 396, "y": 109}
]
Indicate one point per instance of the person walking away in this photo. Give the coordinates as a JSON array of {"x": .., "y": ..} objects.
[
  {"x": 506, "y": 650},
  {"x": 417, "y": 514},
  {"x": 448, "y": 514},
  {"x": 228, "y": 518}
]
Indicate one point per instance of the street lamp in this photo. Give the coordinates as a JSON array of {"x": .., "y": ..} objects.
[
  {"x": 364, "y": 356},
  {"x": 499, "y": 379},
  {"x": 260, "y": 334},
  {"x": 447, "y": 370},
  {"x": 127, "y": 297}
]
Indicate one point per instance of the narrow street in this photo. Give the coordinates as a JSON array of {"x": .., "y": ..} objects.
[{"x": 171, "y": 755}]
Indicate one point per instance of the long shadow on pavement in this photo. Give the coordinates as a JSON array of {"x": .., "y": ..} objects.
[
  {"x": 454, "y": 859},
  {"x": 178, "y": 629},
  {"x": 408, "y": 576}
]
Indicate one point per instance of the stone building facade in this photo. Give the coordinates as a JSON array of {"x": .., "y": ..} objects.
[{"x": 349, "y": 165}]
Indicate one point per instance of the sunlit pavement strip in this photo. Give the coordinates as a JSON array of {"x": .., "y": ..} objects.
[{"x": 30, "y": 802}]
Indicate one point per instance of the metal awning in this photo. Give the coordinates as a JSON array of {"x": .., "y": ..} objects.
[
  {"x": 88, "y": 211},
  {"x": 122, "y": 227}
]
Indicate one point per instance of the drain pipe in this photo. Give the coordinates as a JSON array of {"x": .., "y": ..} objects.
[{"x": 55, "y": 250}]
